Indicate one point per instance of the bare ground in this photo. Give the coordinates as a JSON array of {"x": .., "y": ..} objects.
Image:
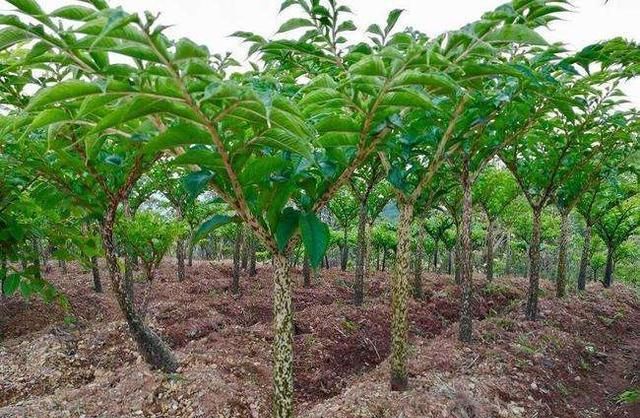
[{"x": 574, "y": 362}]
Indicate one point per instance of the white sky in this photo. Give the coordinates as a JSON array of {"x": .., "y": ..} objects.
[{"x": 211, "y": 21}]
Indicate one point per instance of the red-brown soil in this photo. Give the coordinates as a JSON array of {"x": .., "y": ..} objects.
[{"x": 574, "y": 362}]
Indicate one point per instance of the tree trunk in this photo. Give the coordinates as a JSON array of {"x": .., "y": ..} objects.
[
  {"x": 508, "y": 260},
  {"x": 561, "y": 276},
  {"x": 534, "y": 267},
  {"x": 417, "y": 272},
  {"x": 384, "y": 259},
  {"x": 361, "y": 255},
  {"x": 306, "y": 271},
  {"x": 344, "y": 260},
  {"x": 95, "y": 272},
  {"x": 435, "y": 257},
  {"x": 180, "y": 256},
  {"x": 245, "y": 249},
  {"x": 399, "y": 299},
  {"x": 456, "y": 259},
  {"x": 489, "y": 268},
  {"x": 282, "y": 340},
  {"x": 465, "y": 329},
  {"x": 235, "y": 284},
  {"x": 450, "y": 262},
  {"x": 36, "y": 258},
  {"x": 252, "y": 258},
  {"x": 584, "y": 260},
  {"x": 368, "y": 251},
  {"x": 128, "y": 258},
  {"x": 3, "y": 273},
  {"x": 150, "y": 345},
  {"x": 608, "y": 271},
  {"x": 191, "y": 253}
]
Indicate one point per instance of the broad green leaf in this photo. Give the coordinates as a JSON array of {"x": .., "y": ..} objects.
[
  {"x": 392, "y": 19},
  {"x": 375, "y": 29},
  {"x": 136, "y": 108},
  {"x": 195, "y": 183},
  {"x": 211, "y": 224},
  {"x": 286, "y": 141},
  {"x": 98, "y": 4},
  {"x": 186, "y": 49},
  {"x": 430, "y": 81},
  {"x": 259, "y": 169},
  {"x": 484, "y": 69},
  {"x": 339, "y": 139},
  {"x": 294, "y": 23},
  {"x": 336, "y": 123},
  {"x": 29, "y": 7},
  {"x": 48, "y": 117},
  {"x": 407, "y": 98},
  {"x": 137, "y": 51},
  {"x": 346, "y": 26},
  {"x": 74, "y": 12},
  {"x": 38, "y": 49},
  {"x": 321, "y": 96},
  {"x": 370, "y": 65},
  {"x": 11, "y": 283},
  {"x": 516, "y": 33},
  {"x": 10, "y": 36},
  {"x": 201, "y": 157},
  {"x": 66, "y": 90},
  {"x": 180, "y": 134},
  {"x": 315, "y": 237},
  {"x": 287, "y": 225}
]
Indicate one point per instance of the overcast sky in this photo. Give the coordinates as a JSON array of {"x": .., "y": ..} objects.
[{"x": 211, "y": 22}]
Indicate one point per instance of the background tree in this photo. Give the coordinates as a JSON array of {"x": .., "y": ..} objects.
[
  {"x": 345, "y": 209},
  {"x": 617, "y": 225},
  {"x": 494, "y": 190}
]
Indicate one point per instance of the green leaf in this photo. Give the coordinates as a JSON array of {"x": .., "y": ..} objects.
[
  {"x": 38, "y": 49},
  {"x": 287, "y": 224},
  {"x": 98, "y": 4},
  {"x": 259, "y": 169},
  {"x": 287, "y": 3},
  {"x": 79, "y": 13},
  {"x": 370, "y": 65},
  {"x": 180, "y": 134},
  {"x": 29, "y": 7},
  {"x": 375, "y": 29},
  {"x": 321, "y": 96},
  {"x": 516, "y": 33},
  {"x": 10, "y": 36},
  {"x": 11, "y": 283},
  {"x": 201, "y": 157},
  {"x": 346, "y": 26},
  {"x": 482, "y": 69},
  {"x": 211, "y": 224},
  {"x": 117, "y": 18},
  {"x": 339, "y": 139},
  {"x": 392, "y": 19},
  {"x": 294, "y": 23},
  {"x": 430, "y": 81},
  {"x": 186, "y": 49},
  {"x": 48, "y": 117},
  {"x": 315, "y": 237},
  {"x": 134, "y": 109},
  {"x": 195, "y": 183},
  {"x": 66, "y": 90},
  {"x": 336, "y": 123},
  {"x": 284, "y": 140},
  {"x": 407, "y": 98}
]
